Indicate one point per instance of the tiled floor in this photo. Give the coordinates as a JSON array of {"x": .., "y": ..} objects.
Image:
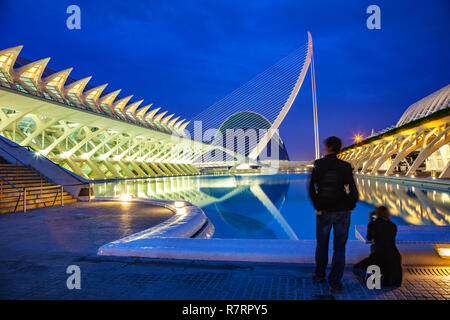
[{"x": 37, "y": 247}]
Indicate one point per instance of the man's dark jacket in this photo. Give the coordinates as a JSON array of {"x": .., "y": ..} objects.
[{"x": 331, "y": 172}]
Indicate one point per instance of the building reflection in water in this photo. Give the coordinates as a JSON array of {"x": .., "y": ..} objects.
[
  {"x": 416, "y": 206},
  {"x": 248, "y": 205}
]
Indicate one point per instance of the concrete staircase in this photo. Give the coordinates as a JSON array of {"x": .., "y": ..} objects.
[{"x": 17, "y": 180}]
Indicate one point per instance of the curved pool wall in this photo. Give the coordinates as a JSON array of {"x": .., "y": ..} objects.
[
  {"x": 186, "y": 236},
  {"x": 188, "y": 221},
  {"x": 257, "y": 250},
  {"x": 277, "y": 206}
]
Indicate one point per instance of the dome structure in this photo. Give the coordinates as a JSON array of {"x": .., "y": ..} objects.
[
  {"x": 436, "y": 101},
  {"x": 247, "y": 123}
]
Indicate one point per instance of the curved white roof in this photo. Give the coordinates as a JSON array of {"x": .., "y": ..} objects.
[{"x": 436, "y": 101}]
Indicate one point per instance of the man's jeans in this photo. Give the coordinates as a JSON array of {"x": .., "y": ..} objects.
[{"x": 340, "y": 221}]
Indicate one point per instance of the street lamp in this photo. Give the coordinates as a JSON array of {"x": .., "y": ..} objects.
[{"x": 357, "y": 138}]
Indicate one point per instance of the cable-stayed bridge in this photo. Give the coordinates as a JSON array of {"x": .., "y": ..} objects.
[{"x": 98, "y": 134}]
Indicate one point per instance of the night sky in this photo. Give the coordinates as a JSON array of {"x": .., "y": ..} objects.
[{"x": 186, "y": 55}]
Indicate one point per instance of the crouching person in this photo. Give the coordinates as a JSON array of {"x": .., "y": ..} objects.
[{"x": 384, "y": 253}]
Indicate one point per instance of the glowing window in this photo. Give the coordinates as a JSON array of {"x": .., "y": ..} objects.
[{"x": 5, "y": 59}]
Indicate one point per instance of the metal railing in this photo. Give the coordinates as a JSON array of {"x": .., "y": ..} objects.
[
  {"x": 28, "y": 189},
  {"x": 24, "y": 192},
  {"x": 2, "y": 194},
  {"x": 57, "y": 187}
]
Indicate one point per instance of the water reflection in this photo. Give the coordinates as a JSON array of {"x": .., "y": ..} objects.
[
  {"x": 249, "y": 206},
  {"x": 412, "y": 204},
  {"x": 277, "y": 207}
]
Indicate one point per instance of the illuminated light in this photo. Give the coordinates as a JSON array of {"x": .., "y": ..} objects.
[
  {"x": 41, "y": 153},
  {"x": 243, "y": 166},
  {"x": 357, "y": 138},
  {"x": 125, "y": 197},
  {"x": 5, "y": 57},
  {"x": 413, "y": 176},
  {"x": 76, "y": 88},
  {"x": 30, "y": 73},
  {"x": 66, "y": 154},
  {"x": 179, "y": 204},
  {"x": 444, "y": 252}
]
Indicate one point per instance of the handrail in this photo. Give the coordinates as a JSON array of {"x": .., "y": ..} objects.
[
  {"x": 24, "y": 190},
  {"x": 42, "y": 188},
  {"x": 27, "y": 189},
  {"x": 12, "y": 185}
]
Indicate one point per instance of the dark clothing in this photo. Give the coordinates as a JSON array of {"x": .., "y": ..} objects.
[
  {"x": 327, "y": 188},
  {"x": 384, "y": 252},
  {"x": 340, "y": 221},
  {"x": 332, "y": 190}
]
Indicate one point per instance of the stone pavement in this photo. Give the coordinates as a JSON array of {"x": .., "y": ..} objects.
[{"x": 37, "y": 247}]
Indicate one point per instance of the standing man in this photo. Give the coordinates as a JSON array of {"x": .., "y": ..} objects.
[{"x": 333, "y": 192}]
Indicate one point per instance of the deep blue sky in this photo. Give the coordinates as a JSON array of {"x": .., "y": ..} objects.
[{"x": 186, "y": 55}]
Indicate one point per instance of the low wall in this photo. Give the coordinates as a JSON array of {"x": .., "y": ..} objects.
[
  {"x": 172, "y": 239},
  {"x": 188, "y": 221}
]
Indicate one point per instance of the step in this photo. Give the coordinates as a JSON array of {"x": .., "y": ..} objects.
[
  {"x": 13, "y": 193},
  {"x": 31, "y": 195},
  {"x": 20, "y": 184},
  {"x": 7, "y": 175},
  {"x": 32, "y": 186},
  {"x": 49, "y": 200},
  {"x": 21, "y": 176},
  {"x": 11, "y": 165},
  {"x": 29, "y": 182},
  {"x": 35, "y": 205},
  {"x": 14, "y": 171},
  {"x": 8, "y": 188},
  {"x": 34, "y": 199},
  {"x": 25, "y": 179},
  {"x": 17, "y": 170}
]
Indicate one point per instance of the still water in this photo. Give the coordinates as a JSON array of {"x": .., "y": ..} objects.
[{"x": 277, "y": 206}]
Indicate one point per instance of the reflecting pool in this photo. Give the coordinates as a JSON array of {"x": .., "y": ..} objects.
[{"x": 277, "y": 206}]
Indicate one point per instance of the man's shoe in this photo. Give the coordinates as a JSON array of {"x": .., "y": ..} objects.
[
  {"x": 335, "y": 288},
  {"x": 317, "y": 279}
]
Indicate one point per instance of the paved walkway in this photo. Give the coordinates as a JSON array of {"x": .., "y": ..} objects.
[{"x": 37, "y": 247}]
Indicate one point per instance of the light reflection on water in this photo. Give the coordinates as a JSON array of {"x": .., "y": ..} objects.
[
  {"x": 414, "y": 205},
  {"x": 277, "y": 207}
]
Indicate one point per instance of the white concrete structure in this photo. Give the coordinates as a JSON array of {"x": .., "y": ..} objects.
[
  {"x": 410, "y": 144},
  {"x": 100, "y": 135},
  {"x": 94, "y": 136}
]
